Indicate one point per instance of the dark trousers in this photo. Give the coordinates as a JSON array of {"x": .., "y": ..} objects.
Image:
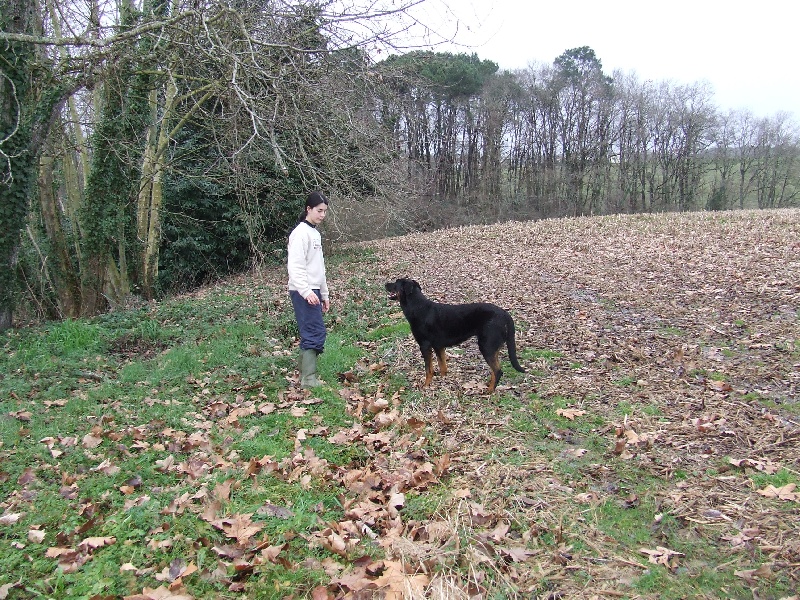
[{"x": 309, "y": 322}]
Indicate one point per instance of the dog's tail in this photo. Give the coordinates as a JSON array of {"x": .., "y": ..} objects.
[{"x": 512, "y": 345}]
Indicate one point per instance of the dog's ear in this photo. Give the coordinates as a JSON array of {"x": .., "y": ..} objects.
[{"x": 414, "y": 285}]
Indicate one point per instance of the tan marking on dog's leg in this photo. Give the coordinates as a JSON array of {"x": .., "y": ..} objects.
[
  {"x": 428, "y": 367},
  {"x": 494, "y": 365},
  {"x": 441, "y": 356}
]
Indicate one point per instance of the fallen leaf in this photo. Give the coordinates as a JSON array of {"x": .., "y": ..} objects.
[
  {"x": 161, "y": 593},
  {"x": 90, "y": 441},
  {"x": 6, "y": 587},
  {"x": 662, "y": 556},
  {"x": 36, "y": 536},
  {"x": 751, "y": 575},
  {"x": 10, "y": 518},
  {"x": 165, "y": 464},
  {"x": 272, "y": 510},
  {"x": 785, "y": 492},
  {"x": 719, "y": 386},
  {"x": 500, "y": 531},
  {"x": 22, "y": 415},
  {"x": 587, "y": 498},
  {"x": 240, "y": 527},
  {"x": 91, "y": 543},
  {"x": 517, "y": 554},
  {"x": 570, "y": 413}
]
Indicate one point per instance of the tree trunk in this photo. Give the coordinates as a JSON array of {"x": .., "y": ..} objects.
[
  {"x": 151, "y": 197},
  {"x": 17, "y": 160},
  {"x": 65, "y": 279}
]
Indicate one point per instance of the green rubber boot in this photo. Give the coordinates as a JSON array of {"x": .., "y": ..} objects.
[{"x": 308, "y": 369}]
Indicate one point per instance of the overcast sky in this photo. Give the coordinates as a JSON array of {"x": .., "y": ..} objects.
[{"x": 748, "y": 52}]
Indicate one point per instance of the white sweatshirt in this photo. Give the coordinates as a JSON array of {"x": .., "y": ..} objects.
[{"x": 306, "y": 264}]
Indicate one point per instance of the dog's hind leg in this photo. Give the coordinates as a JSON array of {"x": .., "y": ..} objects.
[
  {"x": 493, "y": 360},
  {"x": 441, "y": 357}
]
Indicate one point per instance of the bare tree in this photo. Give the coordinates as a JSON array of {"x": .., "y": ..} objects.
[
  {"x": 268, "y": 79},
  {"x": 777, "y": 162}
]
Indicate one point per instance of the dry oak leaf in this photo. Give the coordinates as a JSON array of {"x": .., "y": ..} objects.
[
  {"x": 635, "y": 439},
  {"x": 517, "y": 553},
  {"x": 500, "y": 531},
  {"x": 354, "y": 581},
  {"x": 335, "y": 543},
  {"x": 397, "y": 584},
  {"x": 441, "y": 464},
  {"x": 587, "y": 498},
  {"x": 6, "y": 587},
  {"x": 570, "y": 413},
  {"x": 36, "y": 536},
  {"x": 176, "y": 570},
  {"x": 662, "y": 556},
  {"x": 239, "y": 527},
  {"x": 161, "y": 593},
  {"x": 321, "y": 593},
  {"x": 165, "y": 464},
  {"x": 10, "y": 518},
  {"x": 785, "y": 492},
  {"x": 107, "y": 468},
  {"x": 719, "y": 386},
  {"x": 27, "y": 476},
  {"x": 270, "y": 553},
  {"x": 762, "y": 572},
  {"x": 766, "y": 465},
  {"x": 69, "y": 560},
  {"x": 479, "y": 515},
  {"x": 90, "y": 441}
]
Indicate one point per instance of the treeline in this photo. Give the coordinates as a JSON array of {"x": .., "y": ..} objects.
[
  {"x": 566, "y": 139},
  {"x": 147, "y": 148}
]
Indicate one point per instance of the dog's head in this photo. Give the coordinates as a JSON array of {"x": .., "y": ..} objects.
[{"x": 402, "y": 289}]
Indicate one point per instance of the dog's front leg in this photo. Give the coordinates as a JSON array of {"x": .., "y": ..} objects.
[{"x": 427, "y": 355}]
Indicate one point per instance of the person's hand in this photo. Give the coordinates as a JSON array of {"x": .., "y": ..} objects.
[
  {"x": 326, "y": 304},
  {"x": 312, "y": 299}
]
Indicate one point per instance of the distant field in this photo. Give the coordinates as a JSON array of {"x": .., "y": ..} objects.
[{"x": 661, "y": 412}]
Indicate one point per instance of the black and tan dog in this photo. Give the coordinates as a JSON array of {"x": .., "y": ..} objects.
[{"x": 438, "y": 326}]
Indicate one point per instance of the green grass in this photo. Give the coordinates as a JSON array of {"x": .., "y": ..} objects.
[
  {"x": 627, "y": 381},
  {"x": 781, "y": 478},
  {"x": 534, "y": 353},
  {"x": 162, "y": 383},
  {"x": 671, "y": 332},
  {"x": 156, "y": 400}
]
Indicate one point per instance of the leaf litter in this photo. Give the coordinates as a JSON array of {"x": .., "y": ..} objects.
[{"x": 696, "y": 313}]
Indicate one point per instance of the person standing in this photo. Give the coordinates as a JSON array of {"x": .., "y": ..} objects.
[{"x": 308, "y": 287}]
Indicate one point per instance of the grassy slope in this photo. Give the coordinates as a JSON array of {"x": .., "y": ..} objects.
[{"x": 169, "y": 449}]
